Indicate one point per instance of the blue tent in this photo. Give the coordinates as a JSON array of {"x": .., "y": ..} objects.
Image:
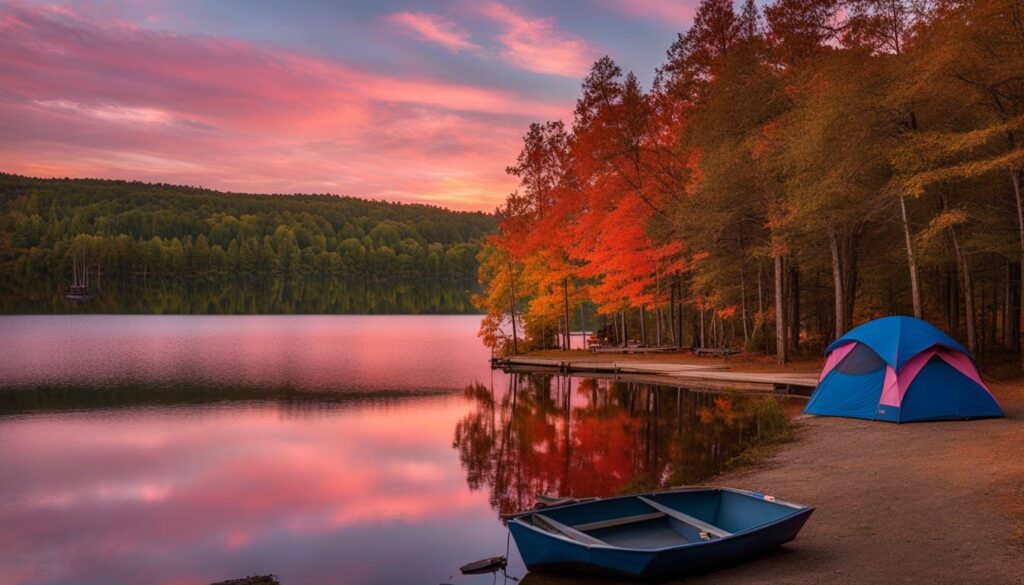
[{"x": 900, "y": 369}]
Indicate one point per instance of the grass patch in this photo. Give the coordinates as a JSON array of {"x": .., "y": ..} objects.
[
  {"x": 639, "y": 484},
  {"x": 773, "y": 429}
]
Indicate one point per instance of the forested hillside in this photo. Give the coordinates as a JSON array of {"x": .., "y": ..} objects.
[
  {"x": 796, "y": 168},
  {"x": 172, "y": 249}
]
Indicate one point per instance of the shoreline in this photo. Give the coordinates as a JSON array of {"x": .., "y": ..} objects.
[{"x": 929, "y": 502}]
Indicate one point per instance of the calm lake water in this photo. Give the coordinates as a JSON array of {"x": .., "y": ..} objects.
[{"x": 338, "y": 449}]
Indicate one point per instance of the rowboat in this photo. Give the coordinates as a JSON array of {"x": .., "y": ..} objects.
[{"x": 656, "y": 534}]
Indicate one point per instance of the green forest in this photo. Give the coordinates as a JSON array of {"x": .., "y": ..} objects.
[
  {"x": 156, "y": 248},
  {"x": 795, "y": 168}
]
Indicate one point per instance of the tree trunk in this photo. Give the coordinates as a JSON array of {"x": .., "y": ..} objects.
[
  {"x": 915, "y": 289},
  {"x": 682, "y": 320},
  {"x": 643, "y": 327},
  {"x": 1016, "y": 179},
  {"x": 625, "y": 332},
  {"x": 657, "y": 311},
  {"x": 760, "y": 305},
  {"x": 702, "y": 344},
  {"x": 952, "y": 298},
  {"x": 1013, "y": 308},
  {"x": 1008, "y": 308},
  {"x": 965, "y": 273},
  {"x": 672, "y": 314},
  {"x": 565, "y": 291},
  {"x": 994, "y": 313},
  {"x": 849, "y": 255},
  {"x": 837, "y": 283},
  {"x": 512, "y": 311},
  {"x": 743, "y": 305},
  {"x": 583, "y": 327},
  {"x": 780, "y": 315},
  {"x": 794, "y": 309}
]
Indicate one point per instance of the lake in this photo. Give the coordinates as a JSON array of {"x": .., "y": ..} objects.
[{"x": 322, "y": 449}]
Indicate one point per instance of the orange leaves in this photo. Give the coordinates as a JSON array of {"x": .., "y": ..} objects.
[
  {"x": 769, "y": 134},
  {"x": 616, "y": 250},
  {"x": 590, "y": 207}
]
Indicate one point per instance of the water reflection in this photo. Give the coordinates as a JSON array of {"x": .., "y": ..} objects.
[
  {"x": 195, "y": 494},
  {"x": 579, "y": 437},
  {"x": 314, "y": 352},
  {"x": 303, "y": 296},
  {"x": 179, "y": 450}
]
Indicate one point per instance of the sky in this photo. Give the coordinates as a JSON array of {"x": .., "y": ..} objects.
[{"x": 402, "y": 100}]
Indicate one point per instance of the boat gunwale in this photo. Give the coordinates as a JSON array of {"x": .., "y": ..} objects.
[{"x": 797, "y": 510}]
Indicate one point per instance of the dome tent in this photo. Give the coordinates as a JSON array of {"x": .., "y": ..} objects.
[{"x": 900, "y": 369}]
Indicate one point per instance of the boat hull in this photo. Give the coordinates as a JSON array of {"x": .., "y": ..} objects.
[{"x": 543, "y": 552}]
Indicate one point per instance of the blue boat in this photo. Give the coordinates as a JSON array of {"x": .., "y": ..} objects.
[{"x": 656, "y": 534}]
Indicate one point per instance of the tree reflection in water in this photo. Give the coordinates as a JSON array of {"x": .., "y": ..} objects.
[{"x": 566, "y": 436}]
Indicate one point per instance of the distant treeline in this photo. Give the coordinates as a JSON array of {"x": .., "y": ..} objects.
[{"x": 172, "y": 249}]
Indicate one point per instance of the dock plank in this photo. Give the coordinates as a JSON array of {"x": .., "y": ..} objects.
[{"x": 704, "y": 374}]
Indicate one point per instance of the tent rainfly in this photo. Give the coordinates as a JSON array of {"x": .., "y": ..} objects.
[{"x": 900, "y": 369}]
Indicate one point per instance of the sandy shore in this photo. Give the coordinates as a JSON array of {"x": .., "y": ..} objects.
[{"x": 931, "y": 503}]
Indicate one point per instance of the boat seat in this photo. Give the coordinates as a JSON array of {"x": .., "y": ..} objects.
[
  {"x": 618, "y": 521},
  {"x": 686, "y": 518},
  {"x": 656, "y": 533},
  {"x": 552, "y": 525}
]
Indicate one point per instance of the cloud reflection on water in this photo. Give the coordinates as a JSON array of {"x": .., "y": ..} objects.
[{"x": 189, "y": 492}]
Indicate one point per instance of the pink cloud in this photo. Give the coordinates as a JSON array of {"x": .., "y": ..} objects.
[
  {"x": 673, "y": 12},
  {"x": 538, "y": 45},
  {"x": 112, "y": 99},
  {"x": 436, "y": 29}
]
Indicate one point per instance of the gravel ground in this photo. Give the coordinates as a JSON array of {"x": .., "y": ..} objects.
[{"x": 932, "y": 503}]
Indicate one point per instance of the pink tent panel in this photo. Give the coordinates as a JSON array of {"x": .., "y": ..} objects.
[
  {"x": 895, "y": 386},
  {"x": 834, "y": 358}
]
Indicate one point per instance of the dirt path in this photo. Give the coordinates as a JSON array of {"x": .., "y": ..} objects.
[{"x": 930, "y": 503}]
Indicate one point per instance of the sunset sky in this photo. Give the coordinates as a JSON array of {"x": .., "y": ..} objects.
[{"x": 394, "y": 99}]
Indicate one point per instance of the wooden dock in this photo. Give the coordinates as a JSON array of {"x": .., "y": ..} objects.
[
  {"x": 635, "y": 349},
  {"x": 684, "y": 375}
]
